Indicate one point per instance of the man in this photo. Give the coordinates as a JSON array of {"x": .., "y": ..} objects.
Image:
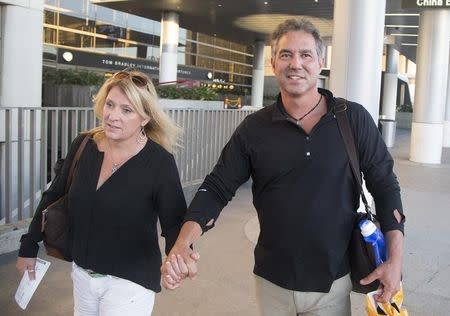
[{"x": 303, "y": 190}]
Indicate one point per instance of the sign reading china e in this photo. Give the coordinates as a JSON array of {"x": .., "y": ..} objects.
[{"x": 425, "y": 4}]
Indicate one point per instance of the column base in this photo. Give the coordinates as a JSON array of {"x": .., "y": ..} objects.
[
  {"x": 446, "y": 139},
  {"x": 387, "y": 129},
  {"x": 426, "y": 143}
]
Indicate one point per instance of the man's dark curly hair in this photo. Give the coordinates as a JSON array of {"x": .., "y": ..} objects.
[{"x": 292, "y": 25}]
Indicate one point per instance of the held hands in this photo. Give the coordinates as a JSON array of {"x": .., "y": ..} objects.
[
  {"x": 26, "y": 264},
  {"x": 180, "y": 263},
  {"x": 389, "y": 275}
]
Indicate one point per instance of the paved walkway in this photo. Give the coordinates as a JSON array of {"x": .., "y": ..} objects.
[{"x": 225, "y": 283}]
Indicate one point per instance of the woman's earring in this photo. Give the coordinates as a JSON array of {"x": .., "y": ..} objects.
[{"x": 142, "y": 137}]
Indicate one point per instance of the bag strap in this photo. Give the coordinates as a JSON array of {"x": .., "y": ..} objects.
[
  {"x": 75, "y": 162},
  {"x": 340, "y": 111}
]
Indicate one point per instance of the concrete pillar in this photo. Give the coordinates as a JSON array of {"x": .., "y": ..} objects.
[
  {"x": 21, "y": 54},
  {"x": 21, "y": 29},
  {"x": 169, "y": 48},
  {"x": 446, "y": 139},
  {"x": 328, "y": 54},
  {"x": 258, "y": 74},
  {"x": 389, "y": 101},
  {"x": 355, "y": 71},
  {"x": 431, "y": 86}
]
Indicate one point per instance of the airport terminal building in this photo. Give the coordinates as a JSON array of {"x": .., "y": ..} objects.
[{"x": 222, "y": 43}]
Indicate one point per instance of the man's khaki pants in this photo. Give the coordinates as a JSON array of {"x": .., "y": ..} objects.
[{"x": 273, "y": 300}]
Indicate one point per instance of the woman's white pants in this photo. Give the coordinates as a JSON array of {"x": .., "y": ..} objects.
[{"x": 108, "y": 295}]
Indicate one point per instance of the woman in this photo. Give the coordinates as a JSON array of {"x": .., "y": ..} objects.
[{"x": 125, "y": 180}]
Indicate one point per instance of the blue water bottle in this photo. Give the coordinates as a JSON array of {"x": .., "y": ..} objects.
[{"x": 374, "y": 237}]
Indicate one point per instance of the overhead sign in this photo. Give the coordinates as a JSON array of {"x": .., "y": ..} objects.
[
  {"x": 425, "y": 4},
  {"x": 117, "y": 63}
]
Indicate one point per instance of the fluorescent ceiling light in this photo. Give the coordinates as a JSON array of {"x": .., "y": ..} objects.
[
  {"x": 106, "y": 1},
  {"x": 400, "y": 34},
  {"x": 402, "y": 14},
  {"x": 408, "y": 44},
  {"x": 403, "y": 26}
]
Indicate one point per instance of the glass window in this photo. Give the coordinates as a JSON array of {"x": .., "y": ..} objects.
[
  {"x": 242, "y": 69},
  {"x": 140, "y": 50},
  {"x": 205, "y": 62},
  {"x": 110, "y": 46},
  {"x": 157, "y": 28},
  {"x": 50, "y": 17},
  {"x": 76, "y": 23},
  {"x": 90, "y": 10},
  {"x": 103, "y": 14},
  {"x": 129, "y": 51},
  {"x": 221, "y": 42},
  {"x": 222, "y": 54},
  {"x": 191, "y": 59},
  {"x": 203, "y": 38},
  {"x": 109, "y": 16},
  {"x": 72, "y": 39},
  {"x": 242, "y": 80},
  {"x": 191, "y": 48},
  {"x": 143, "y": 37},
  {"x": 205, "y": 50},
  {"x": 76, "y": 8},
  {"x": 221, "y": 65},
  {"x": 69, "y": 39},
  {"x": 182, "y": 35},
  {"x": 49, "y": 36},
  {"x": 144, "y": 25},
  {"x": 87, "y": 41},
  {"x": 51, "y": 2},
  {"x": 238, "y": 47},
  {"x": 111, "y": 30},
  {"x": 181, "y": 57},
  {"x": 153, "y": 53}
]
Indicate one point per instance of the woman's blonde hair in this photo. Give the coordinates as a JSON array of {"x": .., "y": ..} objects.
[{"x": 141, "y": 92}]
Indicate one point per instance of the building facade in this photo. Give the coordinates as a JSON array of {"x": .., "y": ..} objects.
[{"x": 82, "y": 35}]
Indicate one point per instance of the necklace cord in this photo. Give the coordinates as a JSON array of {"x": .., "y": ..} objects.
[
  {"x": 312, "y": 109},
  {"x": 115, "y": 166}
]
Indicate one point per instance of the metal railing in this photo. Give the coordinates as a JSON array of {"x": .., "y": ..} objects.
[{"x": 33, "y": 139}]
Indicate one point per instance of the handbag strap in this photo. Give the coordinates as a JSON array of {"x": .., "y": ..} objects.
[
  {"x": 75, "y": 162},
  {"x": 340, "y": 111}
]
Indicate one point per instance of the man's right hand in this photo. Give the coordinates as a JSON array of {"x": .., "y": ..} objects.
[
  {"x": 181, "y": 262},
  {"x": 26, "y": 264},
  {"x": 176, "y": 268}
]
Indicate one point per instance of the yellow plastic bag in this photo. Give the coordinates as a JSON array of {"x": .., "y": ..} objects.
[{"x": 393, "y": 308}]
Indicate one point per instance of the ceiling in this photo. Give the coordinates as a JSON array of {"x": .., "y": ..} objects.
[{"x": 248, "y": 20}]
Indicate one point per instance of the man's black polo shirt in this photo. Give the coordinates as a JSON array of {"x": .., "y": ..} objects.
[{"x": 303, "y": 191}]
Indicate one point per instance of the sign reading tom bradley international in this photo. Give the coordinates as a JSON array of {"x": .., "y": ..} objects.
[
  {"x": 426, "y": 4},
  {"x": 116, "y": 63}
]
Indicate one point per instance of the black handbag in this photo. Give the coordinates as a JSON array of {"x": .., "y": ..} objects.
[
  {"x": 362, "y": 261},
  {"x": 55, "y": 224}
]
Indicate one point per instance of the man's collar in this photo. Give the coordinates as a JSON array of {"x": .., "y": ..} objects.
[{"x": 280, "y": 113}]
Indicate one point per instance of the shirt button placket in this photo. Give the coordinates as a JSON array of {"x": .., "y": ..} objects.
[{"x": 308, "y": 148}]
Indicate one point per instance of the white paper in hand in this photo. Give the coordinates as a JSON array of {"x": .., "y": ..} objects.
[{"x": 27, "y": 287}]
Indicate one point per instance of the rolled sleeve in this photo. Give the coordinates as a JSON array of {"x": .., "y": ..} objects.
[
  {"x": 385, "y": 213},
  {"x": 204, "y": 207}
]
